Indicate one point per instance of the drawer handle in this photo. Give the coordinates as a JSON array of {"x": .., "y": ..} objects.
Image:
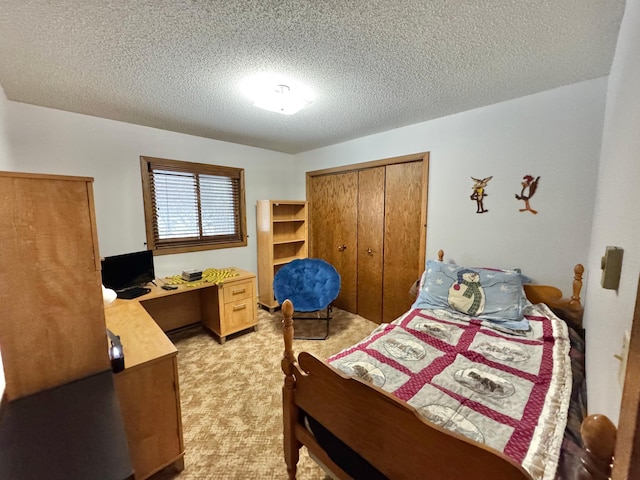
[
  {"x": 238, "y": 290},
  {"x": 239, "y": 307}
]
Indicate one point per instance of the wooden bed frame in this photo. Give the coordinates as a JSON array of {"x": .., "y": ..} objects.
[{"x": 400, "y": 443}]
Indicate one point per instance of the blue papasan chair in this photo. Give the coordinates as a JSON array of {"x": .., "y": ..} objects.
[{"x": 311, "y": 284}]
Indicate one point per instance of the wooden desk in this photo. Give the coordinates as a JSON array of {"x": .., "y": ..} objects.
[
  {"x": 148, "y": 389},
  {"x": 224, "y": 309}
]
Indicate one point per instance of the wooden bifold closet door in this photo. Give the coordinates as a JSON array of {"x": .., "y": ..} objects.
[
  {"x": 333, "y": 201},
  {"x": 404, "y": 236},
  {"x": 370, "y": 223}
]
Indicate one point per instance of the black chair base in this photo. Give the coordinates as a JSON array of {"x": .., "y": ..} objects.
[{"x": 324, "y": 318}]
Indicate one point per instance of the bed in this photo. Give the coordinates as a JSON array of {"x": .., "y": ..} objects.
[{"x": 438, "y": 393}]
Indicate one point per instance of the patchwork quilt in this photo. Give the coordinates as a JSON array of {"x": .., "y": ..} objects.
[{"x": 508, "y": 390}]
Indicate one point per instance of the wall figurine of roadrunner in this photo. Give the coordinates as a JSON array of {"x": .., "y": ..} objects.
[
  {"x": 479, "y": 186},
  {"x": 529, "y": 187}
]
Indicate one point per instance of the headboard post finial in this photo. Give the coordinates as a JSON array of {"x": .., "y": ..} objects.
[
  {"x": 578, "y": 270},
  {"x": 440, "y": 255},
  {"x": 288, "y": 358},
  {"x": 287, "y": 331},
  {"x": 599, "y": 437},
  {"x": 290, "y": 413}
]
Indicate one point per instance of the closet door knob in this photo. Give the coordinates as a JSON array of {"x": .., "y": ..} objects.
[
  {"x": 369, "y": 251},
  {"x": 342, "y": 248}
]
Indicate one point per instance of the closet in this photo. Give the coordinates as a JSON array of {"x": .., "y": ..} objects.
[{"x": 369, "y": 221}]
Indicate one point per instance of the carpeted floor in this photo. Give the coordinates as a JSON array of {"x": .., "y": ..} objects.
[{"x": 231, "y": 397}]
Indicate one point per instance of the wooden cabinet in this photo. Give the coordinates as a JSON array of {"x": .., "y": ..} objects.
[
  {"x": 62, "y": 404},
  {"x": 231, "y": 307},
  {"x": 52, "y": 327},
  {"x": 369, "y": 221},
  {"x": 282, "y": 237},
  {"x": 148, "y": 389}
]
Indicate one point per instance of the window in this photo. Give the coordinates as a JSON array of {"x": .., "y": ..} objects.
[{"x": 192, "y": 206}]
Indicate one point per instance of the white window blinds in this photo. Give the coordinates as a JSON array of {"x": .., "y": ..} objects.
[{"x": 195, "y": 204}]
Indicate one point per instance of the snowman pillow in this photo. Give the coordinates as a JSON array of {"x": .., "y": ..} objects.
[{"x": 483, "y": 293}]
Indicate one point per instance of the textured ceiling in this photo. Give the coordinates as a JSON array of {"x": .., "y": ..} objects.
[{"x": 374, "y": 65}]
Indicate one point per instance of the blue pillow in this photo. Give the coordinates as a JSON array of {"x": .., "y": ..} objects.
[{"x": 483, "y": 293}]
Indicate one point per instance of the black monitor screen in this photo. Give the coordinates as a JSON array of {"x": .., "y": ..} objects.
[{"x": 128, "y": 270}]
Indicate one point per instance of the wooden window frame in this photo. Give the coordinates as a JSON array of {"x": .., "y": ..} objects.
[{"x": 164, "y": 247}]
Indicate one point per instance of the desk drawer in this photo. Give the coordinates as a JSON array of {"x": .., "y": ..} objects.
[
  {"x": 230, "y": 307},
  {"x": 236, "y": 291},
  {"x": 239, "y": 315}
]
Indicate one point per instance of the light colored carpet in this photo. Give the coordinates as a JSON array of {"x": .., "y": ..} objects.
[{"x": 232, "y": 400}]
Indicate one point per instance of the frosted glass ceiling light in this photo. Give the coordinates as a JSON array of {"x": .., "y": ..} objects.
[
  {"x": 281, "y": 100},
  {"x": 278, "y": 96}
]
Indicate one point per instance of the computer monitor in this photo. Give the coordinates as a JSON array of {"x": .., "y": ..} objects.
[{"x": 128, "y": 270}]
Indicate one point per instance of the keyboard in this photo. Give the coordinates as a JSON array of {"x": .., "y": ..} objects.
[{"x": 133, "y": 292}]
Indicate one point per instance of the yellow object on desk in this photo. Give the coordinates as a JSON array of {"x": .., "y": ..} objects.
[{"x": 210, "y": 275}]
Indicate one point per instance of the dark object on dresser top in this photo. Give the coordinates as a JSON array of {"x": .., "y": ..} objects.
[{"x": 71, "y": 431}]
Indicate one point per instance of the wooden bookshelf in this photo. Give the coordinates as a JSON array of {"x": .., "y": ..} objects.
[{"x": 282, "y": 237}]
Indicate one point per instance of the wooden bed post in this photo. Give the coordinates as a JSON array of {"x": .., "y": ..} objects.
[
  {"x": 573, "y": 310},
  {"x": 290, "y": 410},
  {"x": 599, "y": 437},
  {"x": 578, "y": 270}
]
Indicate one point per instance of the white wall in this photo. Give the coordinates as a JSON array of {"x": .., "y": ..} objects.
[
  {"x": 45, "y": 140},
  {"x": 554, "y": 134},
  {"x": 616, "y": 220},
  {"x": 5, "y": 155}
]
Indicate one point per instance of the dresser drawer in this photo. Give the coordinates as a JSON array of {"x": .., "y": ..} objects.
[
  {"x": 236, "y": 291},
  {"x": 238, "y": 315}
]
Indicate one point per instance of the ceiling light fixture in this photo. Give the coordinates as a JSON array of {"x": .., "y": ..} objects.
[
  {"x": 277, "y": 94},
  {"x": 281, "y": 100}
]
